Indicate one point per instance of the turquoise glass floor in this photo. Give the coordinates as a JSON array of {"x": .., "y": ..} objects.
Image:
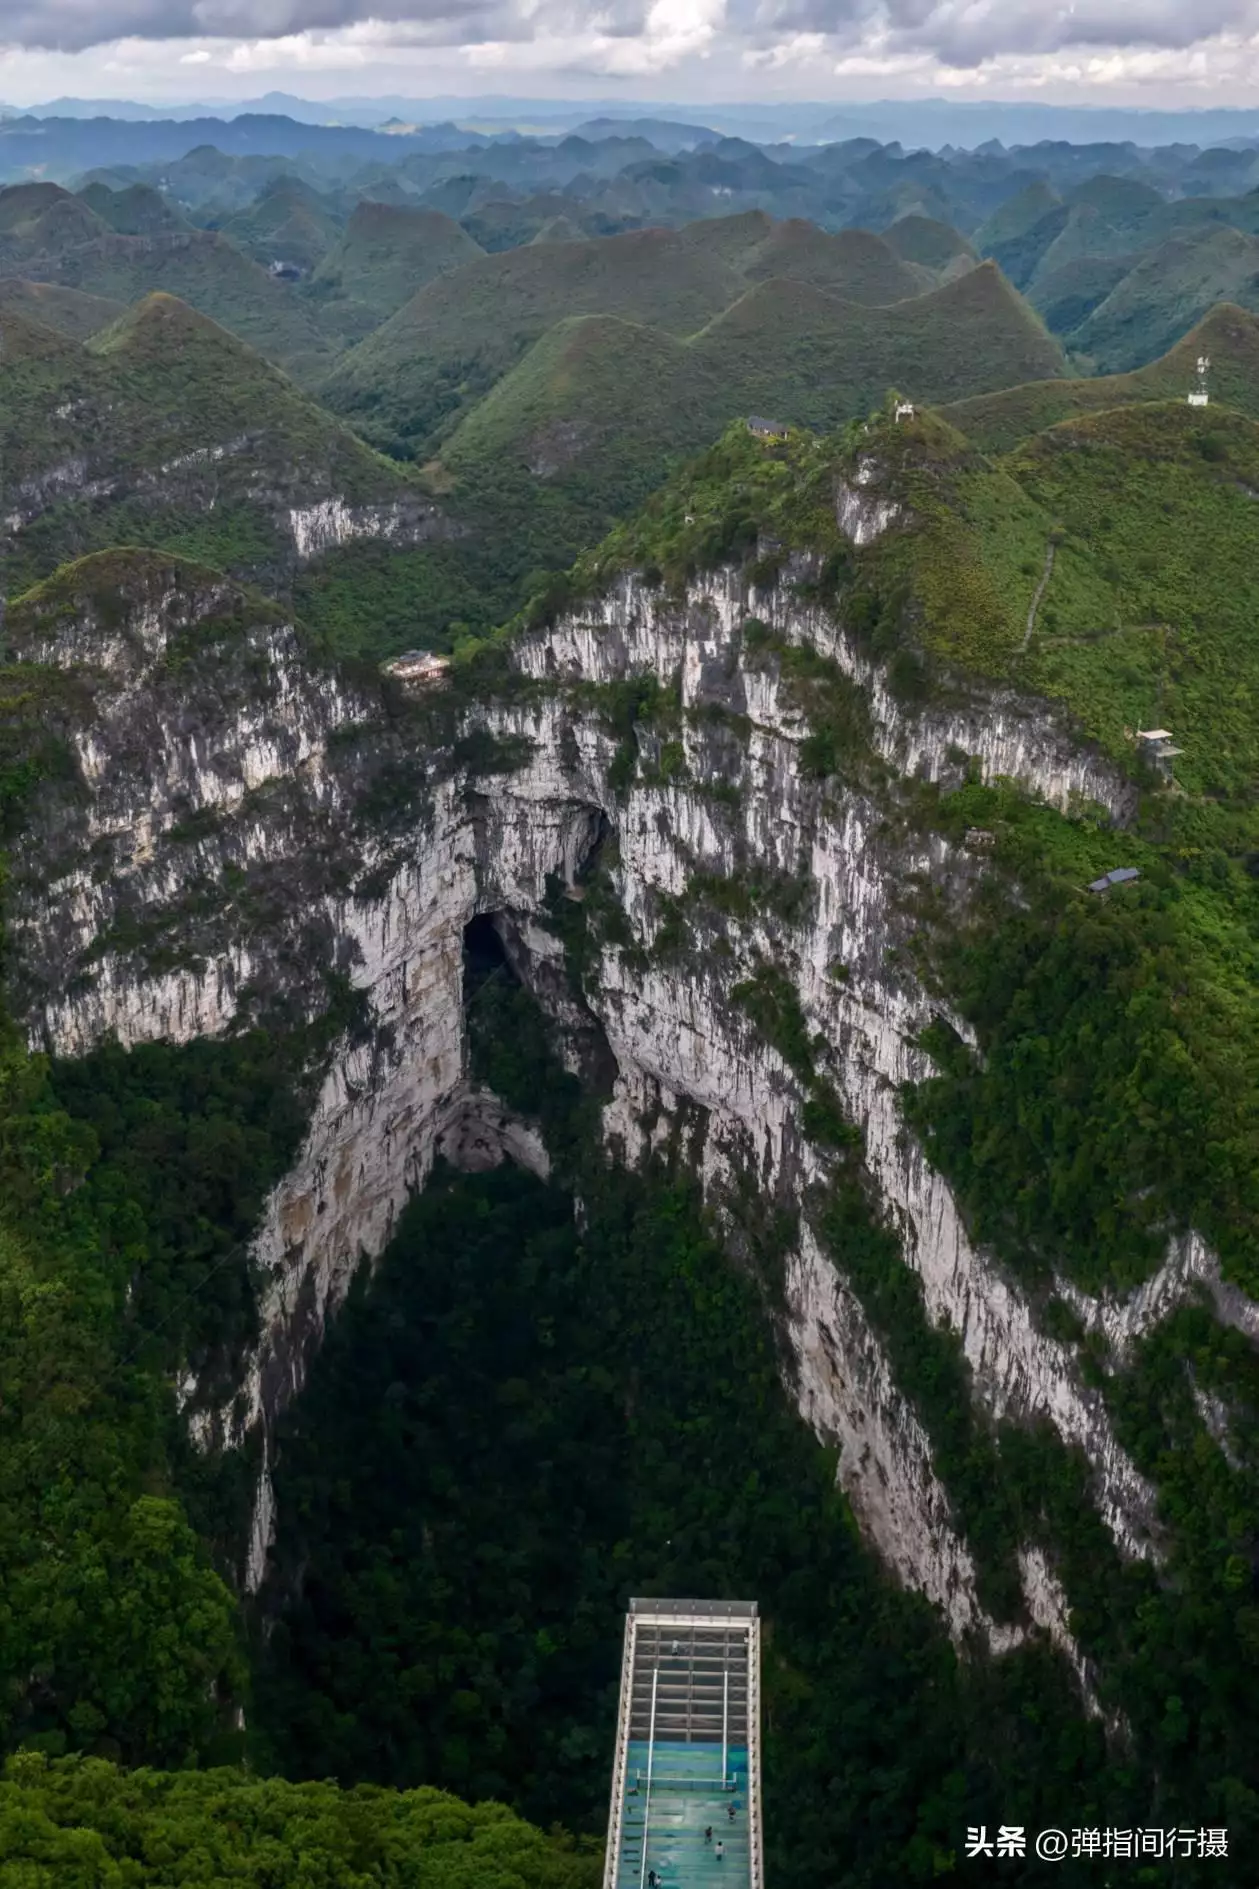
[{"x": 664, "y": 1831}]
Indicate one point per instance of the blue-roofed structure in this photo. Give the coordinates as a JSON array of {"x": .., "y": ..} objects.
[
  {"x": 686, "y": 1780},
  {"x": 1120, "y": 875}
]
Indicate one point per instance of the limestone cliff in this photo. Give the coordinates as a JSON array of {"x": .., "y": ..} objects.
[{"x": 234, "y": 813}]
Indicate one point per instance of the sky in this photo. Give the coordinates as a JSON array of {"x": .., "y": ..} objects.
[{"x": 1156, "y": 53}]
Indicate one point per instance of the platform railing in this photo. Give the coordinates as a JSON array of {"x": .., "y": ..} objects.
[
  {"x": 651, "y": 1753},
  {"x": 709, "y": 1697},
  {"x": 620, "y": 1763},
  {"x": 755, "y": 1863}
]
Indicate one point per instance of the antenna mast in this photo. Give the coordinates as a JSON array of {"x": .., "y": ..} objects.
[{"x": 1200, "y": 397}]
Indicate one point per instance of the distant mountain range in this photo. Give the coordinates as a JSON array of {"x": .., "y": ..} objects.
[
  {"x": 536, "y": 326},
  {"x": 932, "y": 123}
]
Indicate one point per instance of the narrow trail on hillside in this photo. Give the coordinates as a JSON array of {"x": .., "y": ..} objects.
[{"x": 1051, "y": 550}]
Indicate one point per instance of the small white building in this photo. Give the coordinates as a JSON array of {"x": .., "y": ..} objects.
[
  {"x": 1158, "y": 747},
  {"x": 418, "y": 669},
  {"x": 904, "y": 410}
]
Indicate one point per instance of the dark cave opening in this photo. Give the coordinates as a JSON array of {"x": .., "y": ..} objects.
[{"x": 484, "y": 956}]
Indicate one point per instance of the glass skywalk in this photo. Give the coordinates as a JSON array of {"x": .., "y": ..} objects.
[{"x": 685, "y": 1806}]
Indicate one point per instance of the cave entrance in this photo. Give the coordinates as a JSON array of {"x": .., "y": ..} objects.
[{"x": 484, "y": 956}]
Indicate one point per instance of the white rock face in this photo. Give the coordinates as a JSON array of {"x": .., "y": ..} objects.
[
  {"x": 674, "y": 1029},
  {"x": 1050, "y": 1611},
  {"x": 845, "y": 1389},
  {"x": 300, "y": 499},
  {"x": 1190, "y": 1265},
  {"x": 861, "y": 518},
  {"x": 332, "y": 522},
  {"x": 1010, "y": 737}
]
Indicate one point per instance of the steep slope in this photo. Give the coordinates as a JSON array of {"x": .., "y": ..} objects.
[
  {"x": 1169, "y": 289},
  {"x": 1019, "y": 257},
  {"x": 1065, "y": 298},
  {"x": 831, "y": 360},
  {"x": 38, "y": 217},
  {"x": 1155, "y": 631},
  {"x": 139, "y": 210},
  {"x": 585, "y": 426},
  {"x": 495, "y": 222},
  {"x": 48, "y": 381},
  {"x": 385, "y": 255},
  {"x": 286, "y": 222},
  {"x": 209, "y": 751},
  {"x": 1087, "y": 232},
  {"x": 853, "y": 264},
  {"x": 454, "y": 340},
  {"x": 558, "y": 229},
  {"x": 1228, "y": 335},
  {"x": 911, "y": 197},
  {"x": 207, "y": 271},
  {"x": 22, "y": 205},
  {"x": 169, "y": 431},
  {"x": 735, "y": 240},
  {"x": 60, "y": 240},
  {"x": 1122, "y": 202},
  {"x": 590, "y": 415},
  {"x": 69, "y": 311},
  {"x": 932, "y": 245},
  {"x": 1073, "y": 563},
  {"x": 1016, "y": 216}
]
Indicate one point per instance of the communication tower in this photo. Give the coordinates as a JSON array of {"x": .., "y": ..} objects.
[{"x": 1200, "y": 397}]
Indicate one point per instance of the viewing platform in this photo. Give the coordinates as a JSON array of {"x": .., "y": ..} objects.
[{"x": 686, "y": 1781}]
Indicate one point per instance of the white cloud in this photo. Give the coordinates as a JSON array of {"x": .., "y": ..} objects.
[{"x": 1102, "y": 51}]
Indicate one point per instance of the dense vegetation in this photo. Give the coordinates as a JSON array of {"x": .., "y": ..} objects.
[
  {"x": 131, "y": 1183},
  {"x": 1143, "y": 617},
  {"x": 548, "y": 387},
  {"x": 446, "y": 348},
  {"x": 177, "y": 436},
  {"x": 1229, "y": 336},
  {"x": 587, "y": 424},
  {"x": 1110, "y": 1108},
  {"x": 76, "y": 1824}
]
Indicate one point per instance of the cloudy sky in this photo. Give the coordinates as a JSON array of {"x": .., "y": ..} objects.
[{"x": 1117, "y": 52}]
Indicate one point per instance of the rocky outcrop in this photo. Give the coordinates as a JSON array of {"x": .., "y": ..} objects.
[
  {"x": 661, "y": 990},
  {"x": 332, "y": 522},
  {"x": 861, "y": 517},
  {"x": 307, "y": 526}
]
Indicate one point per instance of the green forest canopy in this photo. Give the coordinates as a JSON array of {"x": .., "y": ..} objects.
[{"x": 84, "y": 1824}]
